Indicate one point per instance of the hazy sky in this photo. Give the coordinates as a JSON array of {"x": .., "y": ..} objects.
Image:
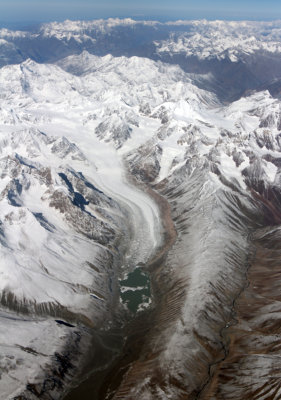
[{"x": 45, "y": 10}]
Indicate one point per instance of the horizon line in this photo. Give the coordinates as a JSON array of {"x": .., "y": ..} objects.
[{"x": 139, "y": 19}]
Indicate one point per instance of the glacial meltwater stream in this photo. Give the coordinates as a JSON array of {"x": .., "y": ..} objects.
[
  {"x": 151, "y": 233},
  {"x": 113, "y": 351}
]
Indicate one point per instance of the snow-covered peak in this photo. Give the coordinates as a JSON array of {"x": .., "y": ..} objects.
[
  {"x": 137, "y": 79},
  {"x": 85, "y": 29},
  {"x": 202, "y": 38},
  {"x": 10, "y": 34},
  {"x": 222, "y": 39}
]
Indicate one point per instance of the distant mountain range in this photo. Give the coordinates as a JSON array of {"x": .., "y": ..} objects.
[{"x": 238, "y": 55}]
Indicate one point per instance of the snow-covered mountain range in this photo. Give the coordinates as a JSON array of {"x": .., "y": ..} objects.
[
  {"x": 238, "y": 56},
  {"x": 137, "y": 157}
]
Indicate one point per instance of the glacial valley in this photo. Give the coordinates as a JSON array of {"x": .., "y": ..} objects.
[{"x": 140, "y": 211}]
